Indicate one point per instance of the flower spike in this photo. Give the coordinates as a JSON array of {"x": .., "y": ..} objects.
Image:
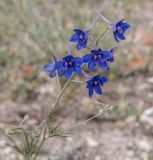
[{"x": 96, "y": 56}]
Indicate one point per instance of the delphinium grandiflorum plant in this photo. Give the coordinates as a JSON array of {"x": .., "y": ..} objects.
[{"x": 67, "y": 67}]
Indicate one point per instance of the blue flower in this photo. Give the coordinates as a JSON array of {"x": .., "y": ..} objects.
[
  {"x": 100, "y": 57},
  {"x": 119, "y": 29},
  {"x": 69, "y": 64},
  {"x": 95, "y": 84},
  {"x": 51, "y": 69},
  {"x": 80, "y": 37}
]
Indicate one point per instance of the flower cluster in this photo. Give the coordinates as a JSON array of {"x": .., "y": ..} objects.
[{"x": 95, "y": 57}]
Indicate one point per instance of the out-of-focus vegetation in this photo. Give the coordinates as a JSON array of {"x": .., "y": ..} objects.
[{"x": 31, "y": 30}]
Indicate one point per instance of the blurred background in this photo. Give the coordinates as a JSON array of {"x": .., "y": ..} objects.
[{"x": 31, "y": 30}]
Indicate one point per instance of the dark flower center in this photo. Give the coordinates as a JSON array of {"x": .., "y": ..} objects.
[
  {"x": 97, "y": 57},
  {"x": 119, "y": 29},
  {"x": 81, "y": 37},
  {"x": 95, "y": 83},
  {"x": 69, "y": 64}
]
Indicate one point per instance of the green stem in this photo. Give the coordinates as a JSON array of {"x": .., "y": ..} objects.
[
  {"x": 49, "y": 115},
  {"x": 77, "y": 81},
  {"x": 27, "y": 149},
  {"x": 42, "y": 142},
  {"x": 101, "y": 35},
  {"x": 88, "y": 120},
  {"x": 81, "y": 123},
  {"x": 59, "y": 97},
  {"x": 56, "y": 103},
  {"x": 93, "y": 24},
  {"x": 14, "y": 144},
  {"x": 58, "y": 81}
]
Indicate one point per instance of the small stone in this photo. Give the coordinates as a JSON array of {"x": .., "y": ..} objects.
[
  {"x": 32, "y": 122},
  {"x": 146, "y": 121},
  {"x": 130, "y": 154},
  {"x": 150, "y": 80},
  {"x": 70, "y": 139},
  {"x": 91, "y": 142},
  {"x": 147, "y": 116},
  {"x": 45, "y": 89},
  {"x": 97, "y": 158},
  {"x": 7, "y": 150},
  {"x": 144, "y": 145},
  {"x": 130, "y": 119},
  {"x": 2, "y": 143}
]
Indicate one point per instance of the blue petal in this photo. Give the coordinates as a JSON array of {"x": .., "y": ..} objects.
[
  {"x": 49, "y": 67},
  {"x": 111, "y": 59},
  {"x": 98, "y": 90},
  {"x": 125, "y": 26},
  {"x": 77, "y": 69},
  {"x": 80, "y": 46},
  {"x": 103, "y": 65},
  {"x": 91, "y": 65},
  {"x": 52, "y": 74},
  {"x": 115, "y": 37},
  {"x": 120, "y": 36},
  {"x": 86, "y": 58},
  {"x": 68, "y": 57},
  {"x": 68, "y": 73},
  {"x": 88, "y": 84},
  {"x": 59, "y": 65},
  {"x": 96, "y": 77},
  {"x": 106, "y": 55},
  {"x": 60, "y": 73},
  {"x": 103, "y": 79},
  {"x": 94, "y": 51},
  {"x": 90, "y": 92},
  {"x": 119, "y": 23},
  {"x": 79, "y": 31},
  {"x": 74, "y": 38},
  {"x": 84, "y": 43},
  {"x": 78, "y": 61}
]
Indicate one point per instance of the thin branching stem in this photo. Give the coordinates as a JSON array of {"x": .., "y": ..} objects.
[
  {"x": 56, "y": 103},
  {"x": 27, "y": 148},
  {"x": 49, "y": 115},
  {"x": 88, "y": 120},
  {"x": 93, "y": 24},
  {"x": 13, "y": 142},
  {"x": 58, "y": 81},
  {"x": 59, "y": 97},
  {"x": 102, "y": 35},
  {"x": 77, "y": 81},
  {"x": 42, "y": 142},
  {"x": 26, "y": 137}
]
